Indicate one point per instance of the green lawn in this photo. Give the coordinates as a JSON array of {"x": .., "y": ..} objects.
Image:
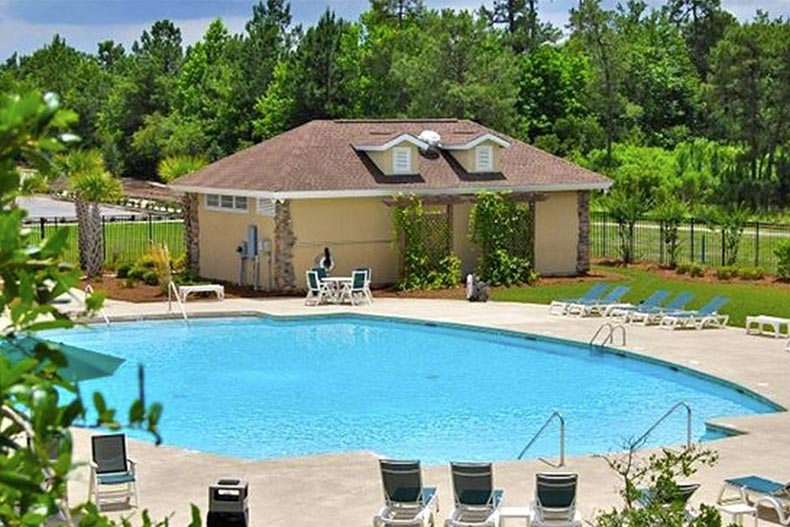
[{"x": 745, "y": 298}]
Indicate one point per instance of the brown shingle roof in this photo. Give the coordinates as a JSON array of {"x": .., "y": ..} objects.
[{"x": 320, "y": 156}]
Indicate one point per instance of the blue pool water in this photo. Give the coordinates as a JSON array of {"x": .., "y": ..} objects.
[{"x": 264, "y": 388}]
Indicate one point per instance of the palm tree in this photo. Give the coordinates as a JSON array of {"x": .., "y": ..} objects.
[
  {"x": 174, "y": 167},
  {"x": 91, "y": 184}
]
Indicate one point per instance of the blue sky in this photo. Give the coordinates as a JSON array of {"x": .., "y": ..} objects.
[{"x": 27, "y": 24}]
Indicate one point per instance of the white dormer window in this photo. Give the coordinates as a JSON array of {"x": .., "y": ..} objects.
[
  {"x": 401, "y": 160},
  {"x": 484, "y": 158}
]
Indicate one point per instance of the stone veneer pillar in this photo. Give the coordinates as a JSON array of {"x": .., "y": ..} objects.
[
  {"x": 284, "y": 241},
  {"x": 583, "y": 246},
  {"x": 189, "y": 204}
]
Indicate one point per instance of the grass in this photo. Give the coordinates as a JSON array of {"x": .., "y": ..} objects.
[{"x": 745, "y": 298}]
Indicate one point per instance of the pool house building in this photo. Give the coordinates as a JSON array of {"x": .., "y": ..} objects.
[{"x": 271, "y": 209}]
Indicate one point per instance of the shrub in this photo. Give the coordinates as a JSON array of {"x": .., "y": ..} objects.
[
  {"x": 682, "y": 268},
  {"x": 782, "y": 252},
  {"x": 180, "y": 263},
  {"x": 151, "y": 278},
  {"x": 447, "y": 274},
  {"x": 136, "y": 273},
  {"x": 727, "y": 272},
  {"x": 696, "y": 270},
  {"x": 751, "y": 273},
  {"x": 506, "y": 269},
  {"x": 123, "y": 270}
]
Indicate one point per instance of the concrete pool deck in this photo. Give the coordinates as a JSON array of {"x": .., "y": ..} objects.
[{"x": 345, "y": 489}]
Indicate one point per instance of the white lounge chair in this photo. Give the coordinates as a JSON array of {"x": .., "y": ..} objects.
[
  {"x": 113, "y": 474},
  {"x": 560, "y": 306},
  {"x": 653, "y": 315},
  {"x": 599, "y": 307},
  {"x": 555, "y": 501},
  {"x": 406, "y": 501},
  {"x": 760, "y": 492},
  {"x": 476, "y": 501},
  {"x": 707, "y": 315}
]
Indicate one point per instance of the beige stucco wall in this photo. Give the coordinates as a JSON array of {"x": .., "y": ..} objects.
[
  {"x": 466, "y": 158},
  {"x": 383, "y": 160},
  {"x": 556, "y": 234},
  {"x": 357, "y": 231},
  {"x": 220, "y": 234}
]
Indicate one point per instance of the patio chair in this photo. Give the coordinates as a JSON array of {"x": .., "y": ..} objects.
[
  {"x": 321, "y": 272},
  {"x": 368, "y": 274},
  {"x": 623, "y": 311},
  {"x": 651, "y": 315},
  {"x": 113, "y": 475},
  {"x": 317, "y": 291},
  {"x": 760, "y": 492},
  {"x": 681, "y": 496},
  {"x": 476, "y": 501},
  {"x": 406, "y": 501},
  {"x": 592, "y": 293},
  {"x": 707, "y": 315},
  {"x": 555, "y": 501},
  {"x": 598, "y": 307},
  {"x": 359, "y": 288}
]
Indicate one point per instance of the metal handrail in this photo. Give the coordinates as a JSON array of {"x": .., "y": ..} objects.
[
  {"x": 555, "y": 415},
  {"x": 88, "y": 289},
  {"x": 663, "y": 418},
  {"x": 609, "y": 339},
  {"x": 173, "y": 290}
]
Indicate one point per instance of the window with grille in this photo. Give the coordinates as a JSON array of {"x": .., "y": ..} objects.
[
  {"x": 401, "y": 160},
  {"x": 226, "y": 203},
  {"x": 484, "y": 158}
]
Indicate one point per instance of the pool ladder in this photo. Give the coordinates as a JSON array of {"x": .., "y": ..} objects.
[
  {"x": 172, "y": 290},
  {"x": 558, "y": 416},
  {"x": 608, "y": 330},
  {"x": 663, "y": 418}
]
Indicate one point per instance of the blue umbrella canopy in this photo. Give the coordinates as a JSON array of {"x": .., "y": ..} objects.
[{"x": 81, "y": 364}]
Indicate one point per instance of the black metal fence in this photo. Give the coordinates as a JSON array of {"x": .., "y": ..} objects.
[
  {"x": 126, "y": 238},
  {"x": 697, "y": 242}
]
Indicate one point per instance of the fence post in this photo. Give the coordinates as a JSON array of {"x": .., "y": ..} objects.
[
  {"x": 757, "y": 244},
  {"x": 42, "y": 221},
  {"x": 604, "y": 223},
  {"x": 150, "y": 231},
  {"x": 104, "y": 237},
  {"x": 702, "y": 256},
  {"x": 661, "y": 243},
  {"x": 692, "y": 240},
  {"x": 723, "y": 252}
]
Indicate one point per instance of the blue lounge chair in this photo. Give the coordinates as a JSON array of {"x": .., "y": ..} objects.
[
  {"x": 707, "y": 315},
  {"x": 598, "y": 307},
  {"x": 476, "y": 501},
  {"x": 650, "y": 315},
  {"x": 761, "y": 492},
  {"x": 406, "y": 501},
  {"x": 624, "y": 311},
  {"x": 593, "y": 293},
  {"x": 555, "y": 501}
]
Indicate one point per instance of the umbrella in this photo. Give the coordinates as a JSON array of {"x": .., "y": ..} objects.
[{"x": 82, "y": 364}]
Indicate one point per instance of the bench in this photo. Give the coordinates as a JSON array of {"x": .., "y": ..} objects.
[
  {"x": 767, "y": 325},
  {"x": 185, "y": 290}
]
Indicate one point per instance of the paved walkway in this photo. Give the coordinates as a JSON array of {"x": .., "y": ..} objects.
[{"x": 344, "y": 489}]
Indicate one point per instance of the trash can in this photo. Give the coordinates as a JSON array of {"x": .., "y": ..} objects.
[{"x": 227, "y": 503}]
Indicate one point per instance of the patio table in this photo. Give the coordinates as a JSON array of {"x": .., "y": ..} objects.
[{"x": 336, "y": 284}]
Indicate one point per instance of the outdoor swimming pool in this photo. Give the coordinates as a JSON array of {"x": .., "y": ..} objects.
[{"x": 259, "y": 387}]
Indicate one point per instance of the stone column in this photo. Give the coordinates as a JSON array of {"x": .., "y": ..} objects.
[
  {"x": 189, "y": 204},
  {"x": 284, "y": 241},
  {"x": 583, "y": 247}
]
